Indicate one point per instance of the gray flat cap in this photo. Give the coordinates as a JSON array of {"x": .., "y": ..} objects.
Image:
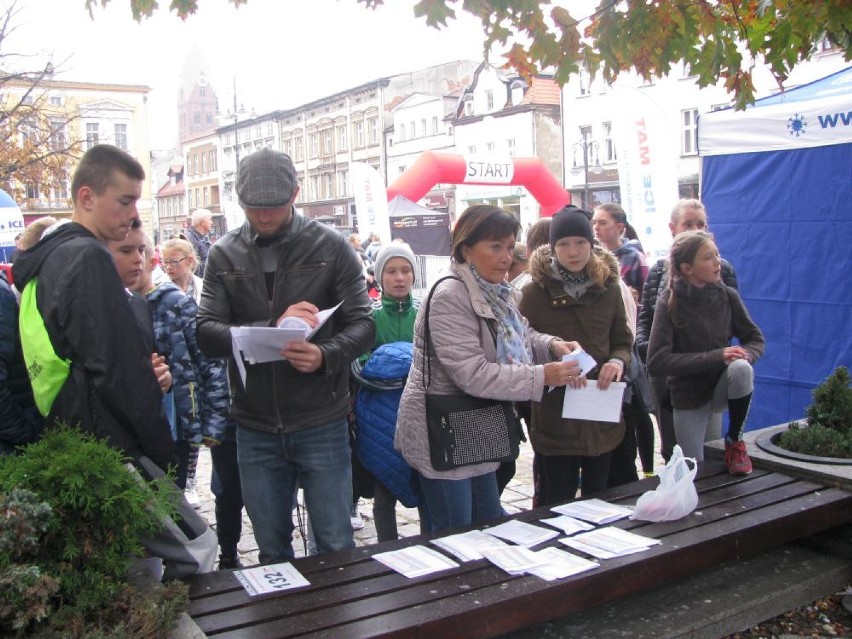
[{"x": 266, "y": 179}]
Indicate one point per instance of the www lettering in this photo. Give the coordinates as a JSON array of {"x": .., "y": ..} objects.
[{"x": 830, "y": 120}]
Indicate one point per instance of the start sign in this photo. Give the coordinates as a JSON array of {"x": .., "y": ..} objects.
[{"x": 489, "y": 170}]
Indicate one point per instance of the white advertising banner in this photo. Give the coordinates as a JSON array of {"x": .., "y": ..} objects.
[
  {"x": 11, "y": 224},
  {"x": 371, "y": 201},
  {"x": 647, "y": 169},
  {"x": 778, "y": 127}
]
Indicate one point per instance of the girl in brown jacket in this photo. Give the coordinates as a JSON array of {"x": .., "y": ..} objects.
[
  {"x": 695, "y": 319},
  {"x": 575, "y": 295}
]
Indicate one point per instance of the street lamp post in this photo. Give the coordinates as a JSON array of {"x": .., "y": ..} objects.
[{"x": 589, "y": 149}]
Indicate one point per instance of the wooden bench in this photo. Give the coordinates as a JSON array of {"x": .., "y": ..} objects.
[{"x": 353, "y": 596}]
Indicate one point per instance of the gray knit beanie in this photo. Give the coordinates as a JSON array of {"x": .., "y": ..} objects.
[{"x": 394, "y": 249}]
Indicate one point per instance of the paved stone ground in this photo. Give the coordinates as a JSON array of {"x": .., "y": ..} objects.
[{"x": 516, "y": 497}]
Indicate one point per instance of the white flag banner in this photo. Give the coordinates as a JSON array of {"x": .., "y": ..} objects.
[
  {"x": 647, "y": 169},
  {"x": 11, "y": 224},
  {"x": 371, "y": 201}
]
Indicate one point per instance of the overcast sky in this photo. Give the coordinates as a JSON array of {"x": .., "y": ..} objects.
[{"x": 283, "y": 53}]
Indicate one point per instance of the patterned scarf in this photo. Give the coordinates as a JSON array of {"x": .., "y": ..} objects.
[{"x": 511, "y": 343}]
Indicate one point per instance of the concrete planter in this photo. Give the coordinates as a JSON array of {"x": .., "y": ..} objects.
[{"x": 766, "y": 454}]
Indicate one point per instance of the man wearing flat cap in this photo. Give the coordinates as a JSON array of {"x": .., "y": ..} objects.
[{"x": 291, "y": 414}]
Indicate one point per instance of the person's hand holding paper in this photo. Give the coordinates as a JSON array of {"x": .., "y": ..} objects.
[{"x": 304, "y": 311}]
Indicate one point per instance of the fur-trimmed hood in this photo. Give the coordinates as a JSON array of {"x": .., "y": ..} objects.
[{"x": 542, "y": 271}]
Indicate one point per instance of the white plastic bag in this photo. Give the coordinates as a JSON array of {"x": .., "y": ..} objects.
[{"x": 675, "y": 497}]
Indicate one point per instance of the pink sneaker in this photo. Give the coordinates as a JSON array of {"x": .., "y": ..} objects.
[{"x": 736, "y": 458}]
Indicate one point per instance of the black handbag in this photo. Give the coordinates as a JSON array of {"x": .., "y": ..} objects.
[{"x": 465, "y": 430}]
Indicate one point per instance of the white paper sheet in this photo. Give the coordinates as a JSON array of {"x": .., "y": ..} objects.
[
  {"x": 468, "y": 546},
  {"x": 560, "y": 564},
  {"x": 521, "y": 533},
  {"x": 586, "y": 362},
  {"x": 415, "y": 561},
  {"x": 592, "y": 403},
  {"x": 568, "y": 525},
  {"x": 263, "y": 580},
  {"x": 616, "y": 540},
  {"x": 259, "y": 344},
  {"x": 593, "y": 510},
  {"x": 514, "y": 559},
  {"x": 572, "y": 542}
]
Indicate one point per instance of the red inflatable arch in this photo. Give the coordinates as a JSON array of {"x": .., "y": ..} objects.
[{"x": 434, "y": 168}]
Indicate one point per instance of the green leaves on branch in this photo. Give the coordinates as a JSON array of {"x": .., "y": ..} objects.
[{"x": 714, "y": 39}]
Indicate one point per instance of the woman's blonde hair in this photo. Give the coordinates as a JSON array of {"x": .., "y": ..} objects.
[
  {"x": 185, "y": 247},
  {"x": 683, "y": 251},
  {"x": 32, "y": 234},
  {"x": 597, "y": 267}
]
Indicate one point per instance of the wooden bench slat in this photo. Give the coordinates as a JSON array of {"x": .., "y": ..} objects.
[{"x": 763, "y": 493}]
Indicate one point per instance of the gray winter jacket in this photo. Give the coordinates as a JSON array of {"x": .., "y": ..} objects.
[{"x": 464, "y": 360}]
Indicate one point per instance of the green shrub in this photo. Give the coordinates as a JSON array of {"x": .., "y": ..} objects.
[
  {"x": 829, "y": 428},
  {"x": 71, "y": 516}
]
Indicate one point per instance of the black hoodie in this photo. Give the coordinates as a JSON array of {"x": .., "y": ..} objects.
[{"x": 111, "y": 391}]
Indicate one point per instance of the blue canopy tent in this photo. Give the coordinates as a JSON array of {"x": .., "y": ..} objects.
[{"x": 777, "y": 183}]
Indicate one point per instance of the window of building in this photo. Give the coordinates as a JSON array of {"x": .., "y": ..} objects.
[
  {"x": 269, "y": 128},
  {"x": 287, "y": 147},
  {"x": 213, "y": 163},
  {"x": 314, "y": 187},
  {"x": 609, "y": 143},
  {"x": 57, "y": 133},
  {"x": 373, "y": 130},
  {"x": 359, "y": 134},
  {"x": 327, "y": 142},
  {"x": 55, "y": 100},
  {"x": 423, "y": 127},
  {"x": 689, "y": 136},
  {"x": 342, "y": 142},
  {"x": 489, "y": 148},
  {"x": 191, "y": 199},
  {"x": 297, "y": 148},
  {"x": 27, "y": 99},
  {"x": 401, "y": 132},
  {"x": 435, "y": 125},
  {"x": 313, "y": 144},
  {"x": 203, "y": 164},
  {"x": 343, "y": 183},
  {"x": 202, "y": 91},
  {"x": 412, "y": 129},
  {"x": 471, "y": 149},
  {"x": 468, "y": 106},
  {"x": 510, "y": 146},
  {"x": 328, "y": 185},
  {"x": 206, "y": 195},
  {"x": 209, "y": 118},
  {"x": 402, "y": 168},
  {"x": 92, "y": 135},
  {"x": 489, "y": 99},
  {"x": 120, "y": 136},
  {"x": 32, "y": 191},
  {"x": 60, "y": 192},
  {"x": 585, "y": 81},
  {"x": 196, "y": 117}
]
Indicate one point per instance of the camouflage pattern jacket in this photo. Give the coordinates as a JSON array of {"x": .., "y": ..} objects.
[{"x": 200, "y": 384}]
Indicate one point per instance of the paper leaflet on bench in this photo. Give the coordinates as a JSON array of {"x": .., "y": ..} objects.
[
  {"x": 259, "y": 344},
  {"x": 263, "y": 580}
]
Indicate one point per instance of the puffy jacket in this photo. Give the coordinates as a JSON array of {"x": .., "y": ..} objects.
[
  {"x": 464, "y": 361},
  {"x": 655, "y": 284},
  {"x": 199, "y": 383},
  {"x": 315, "y": 264},
  {"x": 598, "y": 321},
  {"x": 111, "y": 391},
  {"x": 381, "y": 382},
  {"x": 20, "y": 421}
]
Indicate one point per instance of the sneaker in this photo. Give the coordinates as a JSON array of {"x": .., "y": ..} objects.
[
  {"x": 191, "y": 494},
  {"x": 736, "y": 458},
  {"x": 355, "y": 518},
  {"x": 229, "y": 563}
]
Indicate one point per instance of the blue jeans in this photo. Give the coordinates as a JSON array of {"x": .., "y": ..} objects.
[
  {"x": 272, "y": 465},
  {"x": 453, "y": 503}
]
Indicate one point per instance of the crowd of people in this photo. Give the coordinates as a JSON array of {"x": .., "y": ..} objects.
[{"x": 137, "y": 349}]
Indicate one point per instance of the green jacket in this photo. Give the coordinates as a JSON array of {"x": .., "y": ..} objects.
[{"x": 394, "y": 320}]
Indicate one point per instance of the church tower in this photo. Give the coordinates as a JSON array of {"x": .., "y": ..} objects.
[{"x": 197, "y": 102}]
